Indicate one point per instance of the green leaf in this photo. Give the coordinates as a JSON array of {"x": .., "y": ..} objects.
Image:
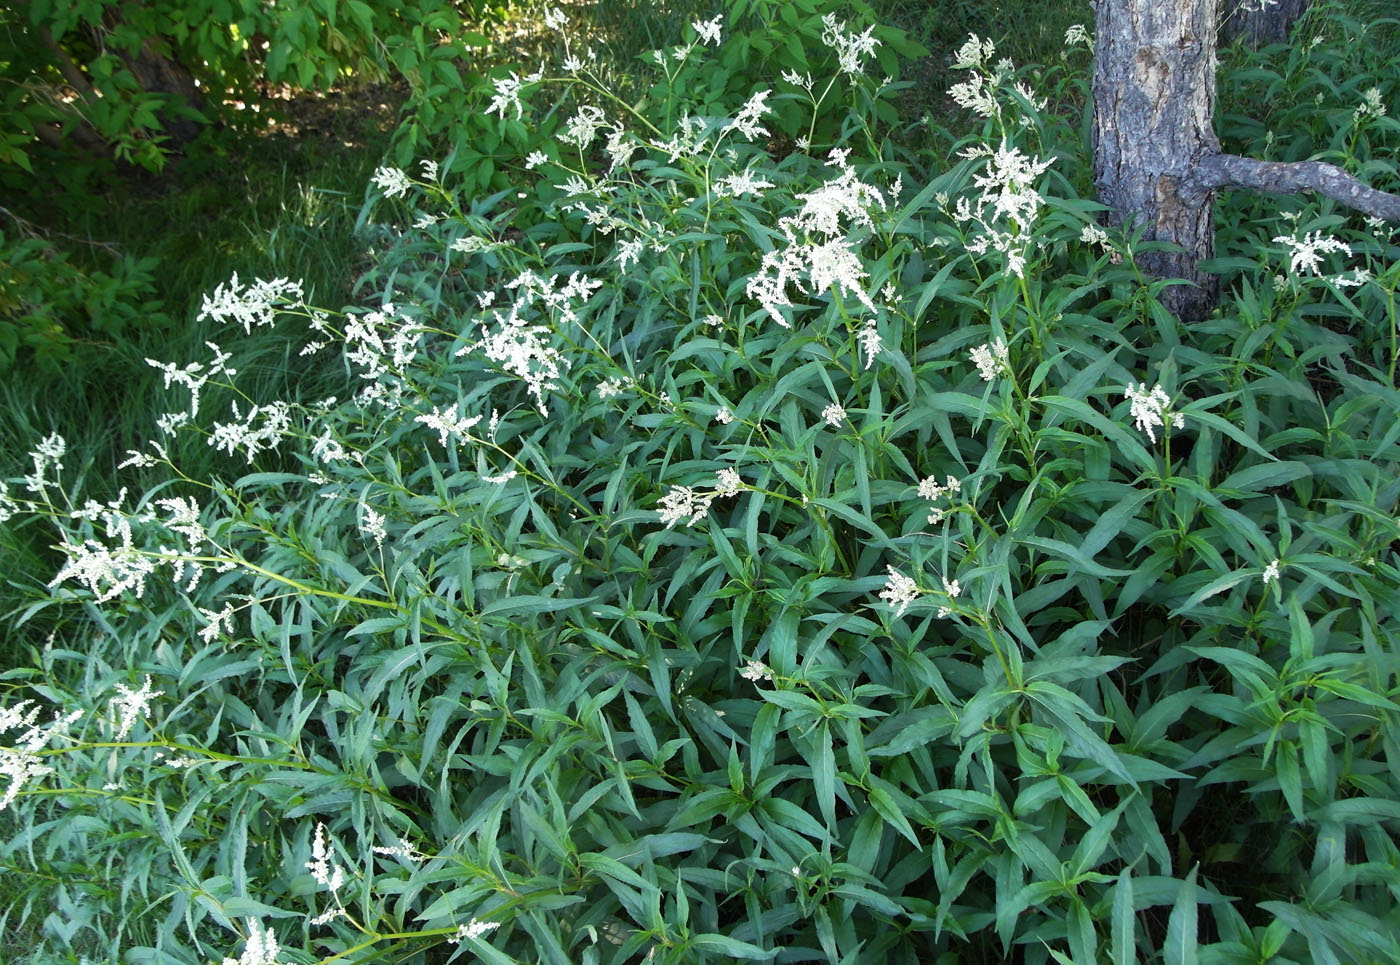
[
  {"x": 732, "y": 947},
  {"x": 884, "y": 802},
  {"x": 1180, "y": 947},
  {"x": 1263, "y": 476},
  {"x": 823, "y": 766},
  {"x": 1124, "y": 927}
]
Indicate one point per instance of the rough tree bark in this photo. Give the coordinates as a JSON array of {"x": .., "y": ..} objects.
[
  {"x": 1259, "y": 24},
  {"x": 1157, "y": 162}
]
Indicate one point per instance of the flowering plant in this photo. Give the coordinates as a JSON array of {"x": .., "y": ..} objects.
[{"x": 722, "y": 553}]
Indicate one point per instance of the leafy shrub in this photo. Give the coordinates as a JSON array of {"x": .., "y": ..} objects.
[
  {"x": 45, "y": 299},
  {"x": 140, "y": 78},
  {"x": 716, "y": 555}
]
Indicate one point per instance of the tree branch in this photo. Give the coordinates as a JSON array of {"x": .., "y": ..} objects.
[{"x": 1295, "y": 177}]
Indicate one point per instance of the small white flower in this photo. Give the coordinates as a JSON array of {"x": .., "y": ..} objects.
[
  {"x": 261, "y": 949},
  {"x": 1152, "y": 409},
  {"x": 930, "y": 489},
  {"x": 1271, "y": 573},
  {"x": 133, "y": 705},
  {"x": 756, "y": 670},
  {"x": 992, "y": 360},
  {"x": 870, "y": 342},
  {"x": 746, "y": 121},
  {"x": 534, "y": 159},
  {"x": 682, "y": 502},
  {"x": 448, "y": 423},
  {"x": 373, "y": 525},
  {"x": 401, "y": 850},
  {"x": 738, "y": 185},
  {"x": 554, "y": 19},
  {"x": 507, "y": 96},
  {"x": 251, "y": 307},
  {"x": 899, "y": 591},
  {"x": 611, "y": 387},
  {"x": 1092, "y": 234},
  {"x": 473, "y": 929},
  {"x": 973, "y": 53},
  {"x": 219, "y": 623},
  {"x": 953, "y": 588},
  {"x": 1076, "y": 34},
  {"x": 322, "y": 865},
  {"x": 709, "y": 30},
  {"x": 834, "y": 414},
  {"x": 727, "y": 482},
  {"x": 851, "y": 48},
  {"x": 392, "y": 181},
  {"x": 724, "y": 416},
  {"x": 1307, "y": 253}
]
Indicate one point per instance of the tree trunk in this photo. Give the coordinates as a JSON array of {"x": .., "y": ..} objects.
[
  {"x": 1157, "y": 163},
  {"x": 1154, "y": 106},
  {"x": 1258, "y": 24},
  {"x": 161, "y": 75}
]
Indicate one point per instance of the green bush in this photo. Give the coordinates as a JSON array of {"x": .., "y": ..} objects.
[
  {"x": 714, "y": 555},
  {"x": 45, "y": 299}
]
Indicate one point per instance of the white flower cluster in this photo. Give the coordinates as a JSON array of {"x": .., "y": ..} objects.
[
  {"x": 1371, "y": 106},
  {"x": 755, "y": 671},
  {"x": 1308, "y": 251},
  {"x": 851, "y": 48},
  {"x": 20, "y": 762},
  {"x": 261, "y": 428},
  {"x": 899, "y": 591},
  {"x": 253, "y": 306},
  {"x": 930, "y": 489},
  {"x": 1008, "y": 192},
  {"x": 817, "y": 266},
  {"x": 691, "y": 505},
  {"x": 738, "y": 185},
  {"x": 1076, "y": 34},
  {"x": 131, "y": 706},
  {"x": 954, "y": 589},
  {"x": 746, "y": 121},
  {"x": 834, "y": 414},
  {"x": 194, "y": 375},
  {"x": 508, "y": 90},
  {"x": 521, "y": 346},
  {"x": 992, "y": 359},
  {"x": 1151, "y": 410},
  {"x": 47, "y": 456},
  {"x": 448, "y": 422},
  {"x": 473, "y": 929},
  {"x": 322, "y": 865},
  {"x": 709, "y": 31},
  {"x": 110, "y": 568},
  {"x": 974, "y": 53},
  {"x": 1271, "y": 573},
  {"x": 392, "y": 181},
  {"x": 261, "y": 948},
  {"x": 9, "y": 507}
]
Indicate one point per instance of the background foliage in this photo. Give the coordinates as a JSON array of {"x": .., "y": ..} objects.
[{"x": 1139, "y": 704}]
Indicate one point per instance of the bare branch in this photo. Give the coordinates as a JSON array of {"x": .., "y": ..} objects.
[{"x": 1295, "y": 177}]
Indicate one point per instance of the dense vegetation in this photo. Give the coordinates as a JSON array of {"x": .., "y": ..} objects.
[{"x": 764, "y": 516}]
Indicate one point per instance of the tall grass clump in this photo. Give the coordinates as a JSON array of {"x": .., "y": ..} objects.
[{"x": 720, "y": 548}]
